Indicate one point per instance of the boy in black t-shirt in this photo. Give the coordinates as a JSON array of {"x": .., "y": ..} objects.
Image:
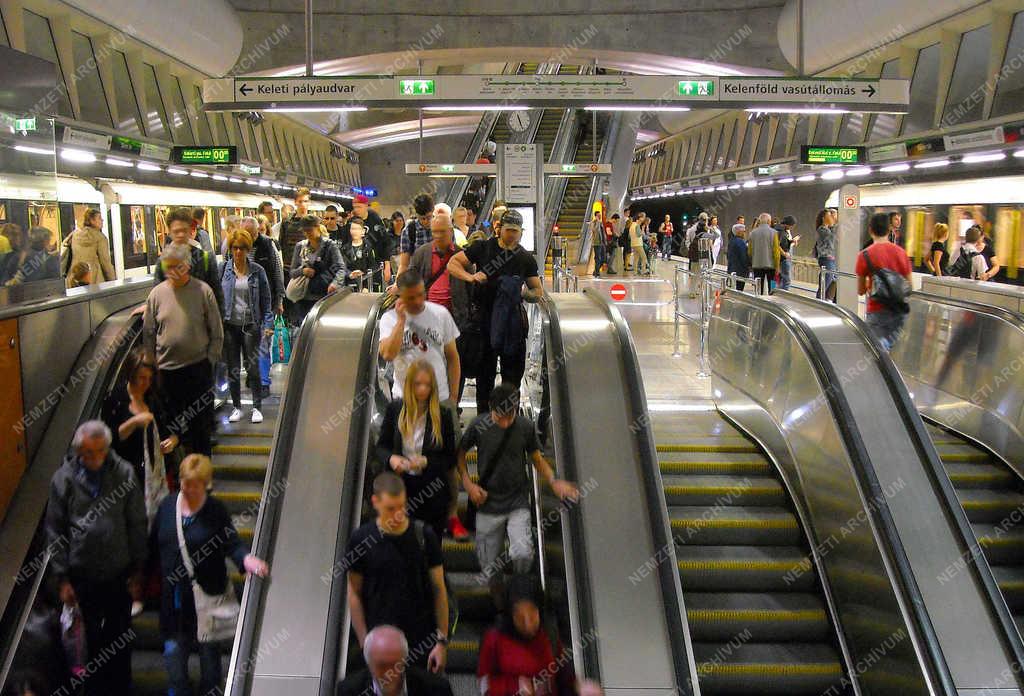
[
  {"x": 396, "y": 577},
  {"x": 497, "y": 258}
]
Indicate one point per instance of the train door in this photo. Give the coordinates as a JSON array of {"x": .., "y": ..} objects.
[
  {"x": 918, "y": 233},
  {"x": 1009, "y": 242},
  {"x": 46, "y": 214}
]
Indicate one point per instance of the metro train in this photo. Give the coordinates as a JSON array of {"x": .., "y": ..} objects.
[
  {"x": 133, "y": 214},
  {"x": 996, "y": 204}
]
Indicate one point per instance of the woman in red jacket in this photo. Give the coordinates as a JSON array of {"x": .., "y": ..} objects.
[{"x": 517, "y": 658}]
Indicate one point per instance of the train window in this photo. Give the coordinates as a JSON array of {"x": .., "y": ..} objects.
[
  {"x": 1010, "y": 87},
  {"x": 968, "y": 88},
  {"x": 128, "y": 114},
  {"x": 92, "y": 100},
  {"x": 204, "y": 136},
  {"x": 824, "y": 131},
  {"x": 39, "y": 42},
  {"x": 181, "y": 124},
  {"x": 782, "y": 134},
  {"x": 156, "y": 117},
  {"x": 1007, "y": 234},
  {"x": 749, "y": 134},
  {"x": 133, "y": 226},
  {"x": 3, "y": 213},
  {"x": 43, "y": 214},
  {"x": 923, "y": 87},
  {"x": 883, "y": 126}
]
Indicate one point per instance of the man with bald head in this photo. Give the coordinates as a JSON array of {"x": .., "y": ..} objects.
[{"x": 389, "y": 672}]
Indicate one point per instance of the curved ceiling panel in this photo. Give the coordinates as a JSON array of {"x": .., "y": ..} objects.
[
  {"x": 204, "y": 34},
  {"x": 829, "y": 41},
  {"x": 389, "y": 133}
]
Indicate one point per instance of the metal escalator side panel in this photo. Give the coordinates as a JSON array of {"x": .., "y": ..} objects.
[
  {"x": 964, "y": 365},
  {"x": 81, "y": 396},
  {"x": 960, "y": 577},
  {"x": 630, "y": 584},
  {"x": 765, "y": 379},
  {"x": 289, "y": 620}
]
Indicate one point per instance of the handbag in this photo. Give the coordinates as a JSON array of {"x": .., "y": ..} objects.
[
  {"x": 155, "y": 486},
  {"x": 216, "y": 615},
  {"x": 297, "y": 288},
  {"x": 281, "y": 347}
]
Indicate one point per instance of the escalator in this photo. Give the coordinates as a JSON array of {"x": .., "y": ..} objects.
[
  {"x": 754, "y": 604},
  {"x": 993, "y": 497}
]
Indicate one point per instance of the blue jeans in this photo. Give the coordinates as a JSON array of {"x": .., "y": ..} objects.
[
  {"x": 886, "y": 327},
  {"x": 176, "y": 654},
  {"x": 599, "y": 254},
  {"x": 829, "y": 264},
  {"x": 785, "y": 270},
  {"x": 265, "y": 360}
]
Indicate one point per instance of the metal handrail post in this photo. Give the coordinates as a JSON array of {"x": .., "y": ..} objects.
[
  {"x": 704, "y": 245},
  {"x": 675, "y": 312}
]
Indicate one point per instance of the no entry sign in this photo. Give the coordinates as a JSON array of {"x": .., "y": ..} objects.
[{"x": 618, "y": 292}]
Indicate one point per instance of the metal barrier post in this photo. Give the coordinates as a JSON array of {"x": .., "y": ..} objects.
[
  {"x": 675, "y": 312},
  {"x": 704, "y": 246}
]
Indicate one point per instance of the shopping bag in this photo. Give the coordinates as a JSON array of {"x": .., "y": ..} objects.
[{"x": 281, "y": 348}]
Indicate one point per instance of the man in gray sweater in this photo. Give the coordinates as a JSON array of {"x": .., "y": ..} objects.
[
  {"x": 96, "y": 534},
  {"x": 182, "y": 329},
  {"x": 762, "y": 251}
]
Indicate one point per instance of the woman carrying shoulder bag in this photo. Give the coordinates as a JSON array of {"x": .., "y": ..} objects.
[
  {"x": 200, "y": 524},
  {"x": 88, "y": 245}
]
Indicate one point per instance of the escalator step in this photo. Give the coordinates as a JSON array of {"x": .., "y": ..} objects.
[
  {"x": 1011, "y": 583},
  {"x": 1000, "y": 543},
  {"x": 256, "y": 450},
  {"x": 973, "y": 455},
  {"x": 744, "y": 568},
  {"x": 733, "y": 526},
  {"x": 706, "y": 448},
  {"x": 983, "y": 505},
  {"x": 745, "y": 668},
  {"x": 723, "y": 490},
  {"x": 757, "y": 466},
  {"x": 979, "y": 476},
  {"x": 766, "y": 618}
]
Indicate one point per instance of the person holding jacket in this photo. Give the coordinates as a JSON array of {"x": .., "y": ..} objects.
[
  {"x": 417, "y": 441},
  {"x": 248, "y": 317},
  {"x": 88, "y": 245},
  {"x": 96, "y": 534},
  {"x": 210, "y": 539},
  {"x": 318, "y": 258}
]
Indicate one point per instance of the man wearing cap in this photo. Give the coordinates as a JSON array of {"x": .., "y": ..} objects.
[
  {"x": 496, "y": 260},
  {"x": 786, "y": 242}
]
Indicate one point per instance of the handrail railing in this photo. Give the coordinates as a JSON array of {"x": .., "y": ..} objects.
[{"x": 612, "y": 130}]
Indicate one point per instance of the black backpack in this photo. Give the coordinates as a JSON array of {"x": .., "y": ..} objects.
[
  {"x": 964, "y": 264},
  {"x": 888, "y": 287}
]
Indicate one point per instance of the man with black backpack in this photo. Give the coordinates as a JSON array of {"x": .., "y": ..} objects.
[
  {"x": 971, "y": 262},
  {"x": 883, "y": 274},
  {"x": 396, "y": 576}
]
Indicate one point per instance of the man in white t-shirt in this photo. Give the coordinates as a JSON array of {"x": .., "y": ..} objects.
[{"x": 416, "y": 329}]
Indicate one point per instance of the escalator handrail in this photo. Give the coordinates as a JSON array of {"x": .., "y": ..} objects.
[
  {"x": 565, "y": 455},
  {"x": 612, "y": 129},
  {"x": 359, "y": 433},
  {"x": 940, "y": 478},
  {"x": 668, "y": 574},
  {"x": 270, "y": 507},
  {"x": 863, "y": 469},
  {"x": 16, "y": 612},
  {"x": 1016, "y": 319}
]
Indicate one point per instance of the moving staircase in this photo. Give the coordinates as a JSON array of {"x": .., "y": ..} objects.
[
  {"x": 755, "y": 608},
  {"x": 993, "y": 498}
]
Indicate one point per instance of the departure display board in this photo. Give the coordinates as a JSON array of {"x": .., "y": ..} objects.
[
  {"x": 815, "y": 154},
  {"x": 222, "y": 154}
]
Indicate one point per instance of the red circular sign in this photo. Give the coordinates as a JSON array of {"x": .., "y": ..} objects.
[
  {"x": 851, "y": 202},
  {"x": 618, "y": 292}
]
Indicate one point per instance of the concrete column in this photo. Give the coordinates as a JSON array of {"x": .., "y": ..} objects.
[
  {"x": 622, "y": 161},
  {"x": 848, "y": 244}
]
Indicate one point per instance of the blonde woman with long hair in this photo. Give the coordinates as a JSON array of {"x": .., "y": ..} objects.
[
  {"x": 937, "y": 260},
  {"x": 417, "y": 442}
]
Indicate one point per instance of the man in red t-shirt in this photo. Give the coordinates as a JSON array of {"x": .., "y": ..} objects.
[
  {"x": 432, "y": 261},
  {"x": 884, "y": 322}
]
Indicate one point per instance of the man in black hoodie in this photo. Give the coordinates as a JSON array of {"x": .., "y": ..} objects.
[{"x": 96, "y": 533}]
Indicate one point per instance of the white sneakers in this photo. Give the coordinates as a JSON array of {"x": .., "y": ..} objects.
[{"x": 236, "y": 415}]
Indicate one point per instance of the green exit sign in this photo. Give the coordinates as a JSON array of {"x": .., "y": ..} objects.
[
  {"x": 568, "y": 168},
  {"x": 25, "y": 124},
  {"x": 447, "y": 167},
  {"x": 814, "y": 154},
  {"x": 226, "y": 154},
  {"x": 696, "y": 88},
  {"x": 416, "y": 88}
]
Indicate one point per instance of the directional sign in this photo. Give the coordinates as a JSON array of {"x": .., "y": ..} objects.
[{"x": 654, "y": 91}]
